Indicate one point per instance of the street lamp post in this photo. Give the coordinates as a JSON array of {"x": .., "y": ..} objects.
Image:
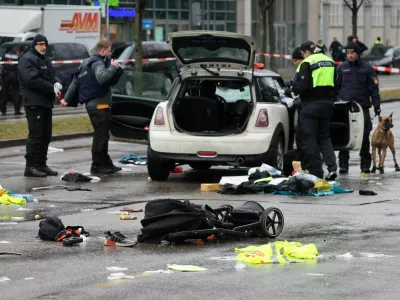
[{"x": 107, "y": 20}]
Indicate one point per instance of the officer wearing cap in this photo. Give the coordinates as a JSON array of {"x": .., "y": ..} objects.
[
  {"x": 315, "y": 85},
  {"x": 38, "y": 86},
  {"x": 356, "y": 80}
]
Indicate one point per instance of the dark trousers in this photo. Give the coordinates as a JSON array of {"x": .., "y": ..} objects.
[
  {"x": 9, "y": 84},
  {"x": 365, "y": 153},
  {"x": 40, "y": 131},
  {"x": 101, "y": 122},
  {"x": 315, "y": 121}
]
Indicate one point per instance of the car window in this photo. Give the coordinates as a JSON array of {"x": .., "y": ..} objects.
[
  {"x": 50, "y": 52},
  {"x": 233, "y": 95},
  {"x": 279, "y": 86},
  {"x": 126, "y": 54},
  {"x": 67, "y": 51},
  {"x": 268, "y": 90}
]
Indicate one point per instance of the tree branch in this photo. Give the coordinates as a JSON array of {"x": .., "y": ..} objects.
[
  {"x": 358, "y": 7},
  {"x": 348, "y": 5}
]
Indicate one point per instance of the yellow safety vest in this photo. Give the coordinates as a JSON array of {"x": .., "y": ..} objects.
[
  {"x": 322, "y": 69},
  {"x": 377, "y": 42}
]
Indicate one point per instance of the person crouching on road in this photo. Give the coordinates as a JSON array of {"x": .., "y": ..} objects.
[
  {"x": 92, "y": 84},
  {"x": 356, "y": 80},
  {"x": 315, "y": 85},
  {"x": 37, "y": 82}
]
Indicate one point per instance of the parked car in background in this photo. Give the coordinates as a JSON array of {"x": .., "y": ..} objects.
[
  {"x": 383, "y": 56},
  {"x": 169, "y": 69},
  {"x": 56, "y": 51}
]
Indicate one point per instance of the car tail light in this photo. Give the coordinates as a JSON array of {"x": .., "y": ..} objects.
[
  {"x": 207, "y": 153},
  {"x": 159, "y": 119},
  {"x": 262, "y": 119}
]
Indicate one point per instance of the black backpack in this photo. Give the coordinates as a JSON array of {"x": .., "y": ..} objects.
[{"x": 50, "y": 228}]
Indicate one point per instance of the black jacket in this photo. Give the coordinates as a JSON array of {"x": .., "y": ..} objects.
[
  {"x": 303, "y": 86},
  {"x": 358, "y": 82},
  {"x": 36, "y": 79}
]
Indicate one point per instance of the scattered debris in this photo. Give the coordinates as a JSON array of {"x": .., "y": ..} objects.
[
  {"x": 23, "y": 209},
  {"x": 177, "y": 169},
  {"x": 240, "y": 266},
  {"x": 8, "y": 223},
  {"x": 116, "y": 269},
  {"x": 17, "y": 218},
  {"x": 86, "y": 209},
  {"x": 315, "y": 274},
  {"x": 134, "y": 159},
  {"x": 186, "y": 268},
  {"x": 118, "y": 276},
  {"x": 346, "y": 255},
  {"x": 373, "y": 255},
  {"x": 235, "y": 180},
  {"x": 127, "y": 216},
  {"x": 223, "y": 258},
  {"x": 4, "y": 278},
  {"x": 29, "y": 278},
  {"x": 367, "y": 193},
  {"x": 131, "y": 209},
  {"x": 210, "y": 187},
  {"x": 10, "y": 253},
  {"x": 4, "y": 242}
]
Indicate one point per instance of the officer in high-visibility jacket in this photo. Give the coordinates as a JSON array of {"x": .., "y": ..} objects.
[{"x": 315, "y": 85}]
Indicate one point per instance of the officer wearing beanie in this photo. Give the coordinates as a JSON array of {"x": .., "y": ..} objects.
[
  {"x": 315, "y": 85},
  {"x": 38, "y": 86},
  {"x": 356, "y": 80}
]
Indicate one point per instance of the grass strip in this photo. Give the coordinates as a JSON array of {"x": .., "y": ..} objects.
[{"x": 61, "y": 126}]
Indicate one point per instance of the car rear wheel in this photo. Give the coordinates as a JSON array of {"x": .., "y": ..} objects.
[
  {"x": 158, "y": 169},
  {"x": 200, "y": 166},
  {"x": 278, "y": 155}
]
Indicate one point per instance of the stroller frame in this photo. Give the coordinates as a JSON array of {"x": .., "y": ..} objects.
[{"x": 248, "y": 220}]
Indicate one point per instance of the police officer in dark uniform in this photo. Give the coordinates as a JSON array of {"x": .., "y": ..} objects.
[
  {"x": 36, "y": 78},
  {"x": 356, "y": 80},
  {"x": 315, "y": 85},
  {"x": 92, "y": 86}
]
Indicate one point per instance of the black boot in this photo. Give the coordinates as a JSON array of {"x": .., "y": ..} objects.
[
  {"x": 34, "y": 172},
  {"x": 48, "y": 171}
]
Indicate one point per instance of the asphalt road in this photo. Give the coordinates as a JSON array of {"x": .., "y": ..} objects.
[{"x": 365, "y": 226}]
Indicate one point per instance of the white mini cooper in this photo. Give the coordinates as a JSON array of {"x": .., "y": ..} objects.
[{"x": 222, "y": 111}]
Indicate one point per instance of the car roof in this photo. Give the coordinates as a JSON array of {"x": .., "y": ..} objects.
[{"x": 257, "y": 72}]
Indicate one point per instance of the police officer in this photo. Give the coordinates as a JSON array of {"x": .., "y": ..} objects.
[
  {"x": 315, "y": 85},
  {"x": 37, "y": 82},
  {"x": 92, "y": 86},
  {"x": 357, "y": 81}
]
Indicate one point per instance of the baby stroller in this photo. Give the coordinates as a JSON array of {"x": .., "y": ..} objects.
[{"x": 176, "y": 221}]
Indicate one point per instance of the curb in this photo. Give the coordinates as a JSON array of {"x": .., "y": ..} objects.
[{"x": 22, "y": 142}]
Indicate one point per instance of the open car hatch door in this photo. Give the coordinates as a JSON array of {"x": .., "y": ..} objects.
[{"x": 213, "y": 49}]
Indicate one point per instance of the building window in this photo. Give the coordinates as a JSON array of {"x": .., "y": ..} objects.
[
  {"x": 161, "y": 3},
  {"x": 377, "y": 13},
  {"x": 184, "y": 4},
  {"x": 336, "y": 13},
  {"x": 395, "y": 13},
  {"x": 173, "y": 4},
  {"x": 231, "y": 5}
]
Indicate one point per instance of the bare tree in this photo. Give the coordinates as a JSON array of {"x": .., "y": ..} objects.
[
  {"x": 354, "y": 7},
  {"x": 264, "y": 6},
  {"x": 140, "y": 6}
]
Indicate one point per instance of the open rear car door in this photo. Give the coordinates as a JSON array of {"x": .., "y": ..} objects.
[{"x": 347, "y": 126}]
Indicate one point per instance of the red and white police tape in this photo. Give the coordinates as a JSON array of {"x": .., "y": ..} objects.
[{"x": 285, "y": 56}]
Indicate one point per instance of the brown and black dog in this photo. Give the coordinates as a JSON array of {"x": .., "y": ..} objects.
[{"x": 381, "y": 139}]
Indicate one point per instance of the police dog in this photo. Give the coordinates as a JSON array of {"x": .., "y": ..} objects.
[{"x": 381, "y": 139}]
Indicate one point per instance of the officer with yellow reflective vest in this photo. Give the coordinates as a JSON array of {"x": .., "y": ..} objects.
[{"x": 315, "y": 85}]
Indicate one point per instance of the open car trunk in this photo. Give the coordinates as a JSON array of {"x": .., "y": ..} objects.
[{"x": 213, "y": 106}]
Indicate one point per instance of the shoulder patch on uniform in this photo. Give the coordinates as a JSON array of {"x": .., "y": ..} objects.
[{"x": 375, "y": 80}]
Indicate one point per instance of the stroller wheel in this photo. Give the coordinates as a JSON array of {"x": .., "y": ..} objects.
[{"x": 271, "y": 222}]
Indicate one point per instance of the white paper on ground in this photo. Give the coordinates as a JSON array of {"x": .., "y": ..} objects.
[
  {"x": 17, "y": 218},
  {"x": 223, "y": 258},
  {"x": 240, "y": 266},
  {"x": 373, "y": 255},
  {"x": 29, "y": 278},
  {"x": 4, "y": 278},
  {"x": 117, "y": 276},
  {"x": 346, "y": 255},
  {"x": 54, "y": 150},
  {"x": 4, "y": 242},
  {"x": 8, "y": 223},
  {"x": 315, "y": 274},
  {"x": 116, "y": 269},
  {"x": 23, "y": 208},
  {"x": 235, "y": 180}
]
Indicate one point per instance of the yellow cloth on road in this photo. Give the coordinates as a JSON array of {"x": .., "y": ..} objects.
[
  {"x": 322, "y": 185},
  {"x": 277, "y": 253},
  {"x": 7, "y": 199}
]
